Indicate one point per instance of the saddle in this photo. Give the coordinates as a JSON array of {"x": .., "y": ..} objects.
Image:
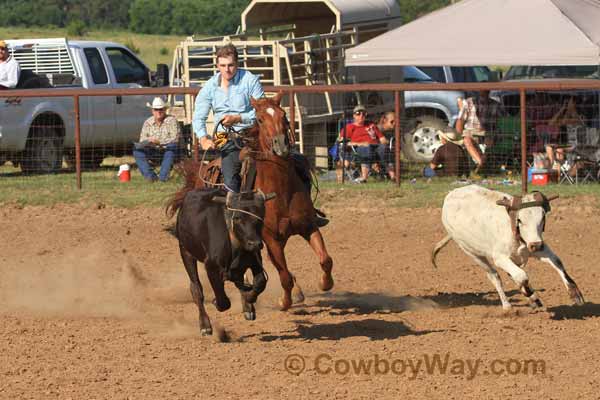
[{"x": 210, "y": 174}]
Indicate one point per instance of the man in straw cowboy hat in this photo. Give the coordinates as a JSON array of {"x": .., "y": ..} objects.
[
  {"x": 9, "y": 68},
  {"x": 159, "y": 139},
  {"x": 450, "y": 158}
]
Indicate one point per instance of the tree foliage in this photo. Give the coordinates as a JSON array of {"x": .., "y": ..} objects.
[
  {"x": 185, "y": 17},
  {"x": 413, "y": 9},
  {"x": 180, "y": 17},
  {"x": 93, "y": 13}
]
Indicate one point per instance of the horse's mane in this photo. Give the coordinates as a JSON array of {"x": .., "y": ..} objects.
[{"x": 189, "y": 170}]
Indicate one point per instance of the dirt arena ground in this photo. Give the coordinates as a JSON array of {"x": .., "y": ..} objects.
[{"x": 94, "y": 304}]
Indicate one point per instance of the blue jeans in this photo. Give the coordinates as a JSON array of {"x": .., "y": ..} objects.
[
  {"x": 366, "y": 154},
  {"x": 231, "y": 167},
  {"x": 168, "y": 155}
]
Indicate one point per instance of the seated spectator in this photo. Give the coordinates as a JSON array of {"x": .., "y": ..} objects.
[
  {"x": 364, "y": 137},
  {"x": 489, "y": 112},
  {"x": 9, "y": 68},
  {"x": 386, "y": 154},
  {"x": 478, "y": 119},
  {"x": 450, "y": 158},
  {"x": 566, "y": 118},
  {"x": 159, "y": 139}
]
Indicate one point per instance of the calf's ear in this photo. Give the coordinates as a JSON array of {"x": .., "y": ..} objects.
[{"x": 552, "y": 197}]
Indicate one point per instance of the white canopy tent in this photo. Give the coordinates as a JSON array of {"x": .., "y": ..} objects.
[{"x": 491, "y": 32}]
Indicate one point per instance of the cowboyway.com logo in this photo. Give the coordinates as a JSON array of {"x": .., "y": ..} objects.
[{"x": 427, "y": 364}]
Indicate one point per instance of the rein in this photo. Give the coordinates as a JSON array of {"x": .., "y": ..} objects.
[{"x": 234, "y": 210}]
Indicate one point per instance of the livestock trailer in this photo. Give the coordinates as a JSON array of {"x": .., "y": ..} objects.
[{"x": 291, "y": 43}]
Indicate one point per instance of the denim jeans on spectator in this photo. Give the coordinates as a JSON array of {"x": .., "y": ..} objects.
[
  {"x": 167, "y": 154},
  {"x": 366, "y": 154},
  {"x": 231, "y": 166}
]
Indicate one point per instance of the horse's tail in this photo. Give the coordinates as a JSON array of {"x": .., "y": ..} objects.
[{"x": 189, "y": 169}]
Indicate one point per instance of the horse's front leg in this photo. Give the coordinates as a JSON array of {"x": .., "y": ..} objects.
[
  {"x": 318, "y": 245},
  {"x": 277, "y": 257}
]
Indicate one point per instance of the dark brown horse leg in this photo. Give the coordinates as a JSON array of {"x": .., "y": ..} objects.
[
  {"x": 318, "y": 245},
  {"x": 277, "y": 257},
  {"x": 216, "y": 281},
  {"x": 191, "y": 266}
]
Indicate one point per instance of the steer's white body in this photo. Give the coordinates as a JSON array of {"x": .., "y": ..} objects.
[
  {"x": 477, "y": 224},
  {"x": 482, "y": 228}
]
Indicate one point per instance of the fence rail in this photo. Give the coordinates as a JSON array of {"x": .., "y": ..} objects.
[{"x": 520, "y": 88}]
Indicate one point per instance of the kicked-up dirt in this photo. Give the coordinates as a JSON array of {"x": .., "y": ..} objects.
[{"x": 94, "y": 304}]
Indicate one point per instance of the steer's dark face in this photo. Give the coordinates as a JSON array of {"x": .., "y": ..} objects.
[{"x": 245, "y": 215}]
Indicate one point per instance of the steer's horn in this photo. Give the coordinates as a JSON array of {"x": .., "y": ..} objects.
[
  {"x": 504, "y": 202},
  {"x": 552, "y": 197},
  {"x": 270, "y": 196},
  {"x": 219, "y": 199}
]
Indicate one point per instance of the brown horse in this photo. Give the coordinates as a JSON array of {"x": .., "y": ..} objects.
[{"x": 291, "y": 212}]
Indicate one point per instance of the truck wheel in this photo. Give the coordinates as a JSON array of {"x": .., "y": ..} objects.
[
  {"x": 43, "y": 152},
  {"x": 421, "y": 142}
]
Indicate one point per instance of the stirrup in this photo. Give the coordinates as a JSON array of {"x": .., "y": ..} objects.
[{"x": 321, "y": 218}]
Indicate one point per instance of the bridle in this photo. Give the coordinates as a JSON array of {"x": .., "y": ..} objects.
[{"x": 268, "y": 153}]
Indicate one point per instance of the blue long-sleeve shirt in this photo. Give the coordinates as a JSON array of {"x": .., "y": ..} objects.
[{"x": 235, "y": 100}]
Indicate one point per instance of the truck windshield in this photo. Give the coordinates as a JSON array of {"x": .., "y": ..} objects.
[
  {"x": 553, "y": 72},
  {"x": 413, "y": 74},
  {"x": 126, "y": 67}
]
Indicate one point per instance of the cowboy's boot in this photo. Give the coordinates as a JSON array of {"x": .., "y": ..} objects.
[{"x": 321, "y": 218}]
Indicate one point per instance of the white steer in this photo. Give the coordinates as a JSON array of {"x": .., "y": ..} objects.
[{"x": 497, "y": 229}]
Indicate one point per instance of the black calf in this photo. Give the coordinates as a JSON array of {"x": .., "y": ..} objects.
[{"x": 227, "y": 239}]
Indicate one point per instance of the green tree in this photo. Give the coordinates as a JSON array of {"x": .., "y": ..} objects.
[
  {"x": 186, "y": 17},
  {"x": 93, "y": 13},
  {"x": 150, "y": 16},
  {"x": 413, "y": 9}
]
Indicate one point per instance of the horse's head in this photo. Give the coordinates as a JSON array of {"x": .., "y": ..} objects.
[{"x": 273, "y": 126}]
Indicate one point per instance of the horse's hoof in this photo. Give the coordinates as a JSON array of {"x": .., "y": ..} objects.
[
  {"x": 326, "y": 283},
  {"x": 297, "y": 295},
  {"x": 206, "y": 331},
  {"x": 285, "y": 304},
  {"x": 250, "y": 315}
]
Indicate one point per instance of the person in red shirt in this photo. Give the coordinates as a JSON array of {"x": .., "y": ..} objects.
[{"x": 364, "y": 137}]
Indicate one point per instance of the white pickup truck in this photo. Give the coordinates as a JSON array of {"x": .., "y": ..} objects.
[{"x": 37, "y": 132}]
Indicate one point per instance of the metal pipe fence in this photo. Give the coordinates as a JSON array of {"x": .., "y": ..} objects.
[{"x": 529, "y": 125}]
